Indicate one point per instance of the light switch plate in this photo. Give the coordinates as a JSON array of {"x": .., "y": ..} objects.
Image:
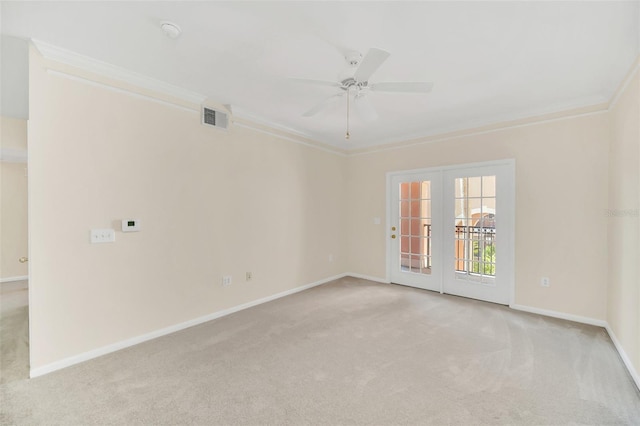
[{"x": 103, "y": 236}]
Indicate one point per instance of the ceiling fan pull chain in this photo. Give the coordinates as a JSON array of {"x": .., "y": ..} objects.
[{"x": 346, "y": 136}]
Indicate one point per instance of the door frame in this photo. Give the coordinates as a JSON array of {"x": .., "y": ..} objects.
[{"x": 511, "y": 227}]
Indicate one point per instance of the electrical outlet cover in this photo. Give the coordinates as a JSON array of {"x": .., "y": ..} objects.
[{"x": 102, "y": 236}]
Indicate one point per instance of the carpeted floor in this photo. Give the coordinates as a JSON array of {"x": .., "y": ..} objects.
[
  {"x": 14, "y": 332},
  {"x": 348, "y": 352}
]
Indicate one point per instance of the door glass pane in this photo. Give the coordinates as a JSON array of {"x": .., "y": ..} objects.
[
  {"x": 415, "y": 190},
  {"x": 404, "y": 244},
  {"x": 473, "y": 207},
  {"x": 475, "y": 226},
  {"x": 488, "y": 186},
  {"x": 415, "y": 245},
  {"x": 461, "y": 209},
  {"x": 426, "y": 190},
  {"x": 415, "y": 263},
  {"x": 425, "y": 266},
  {"x": 474, "y": 186},
  {"x": 415, "y": 227},
  {"x": 404, "y": 208},
  {"x": 404, "y": 190},
  {"x": 405, "y": 260},
  {"x": 425, "y": 210},
  {"x": 404, "y": 226},
  {"x": 461, "y": 184}
]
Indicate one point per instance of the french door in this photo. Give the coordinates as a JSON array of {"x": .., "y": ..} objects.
[
  {"x": 416, "y": 230},
  {"x": 451, "y": 230}
]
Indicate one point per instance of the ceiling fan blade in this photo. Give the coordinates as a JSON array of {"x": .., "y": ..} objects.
[
  {"x": 370, "y": 63},
  {"x": 403, "y": 87},
  {"x": 344, "y": 51},
  {"x": 315, "y": 82},
  {"x": 365, "y": 109},
  {"x": 323, "y": 105}
]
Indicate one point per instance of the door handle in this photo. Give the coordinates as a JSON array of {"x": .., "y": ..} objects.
[{"x": 23, "y": 259}]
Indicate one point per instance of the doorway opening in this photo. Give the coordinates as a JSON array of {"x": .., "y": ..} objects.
[{"x": 14, "y": 300}]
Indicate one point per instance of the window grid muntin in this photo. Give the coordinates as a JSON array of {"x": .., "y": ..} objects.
[
  {"x": 474, "y": 248},
  {"x": 415, "y": 227}
]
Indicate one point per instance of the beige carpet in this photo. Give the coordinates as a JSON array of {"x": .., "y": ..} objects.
[
  {"x": 348, "y": 352},
  {"x": 14, "y": 332}
]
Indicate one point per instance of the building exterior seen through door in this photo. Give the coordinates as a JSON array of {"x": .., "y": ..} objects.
[{"x": 451, "y": 230}]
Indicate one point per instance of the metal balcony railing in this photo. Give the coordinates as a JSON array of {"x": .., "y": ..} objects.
[{"x": 475, "y": 250}]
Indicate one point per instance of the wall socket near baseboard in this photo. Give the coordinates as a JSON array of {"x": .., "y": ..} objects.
[
  {"x": 226, "y": 280},
  {"x": 544, "y": 282},
  {"x": 249, "y": 276}
]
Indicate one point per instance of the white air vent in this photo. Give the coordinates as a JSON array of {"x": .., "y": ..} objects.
[{"x": 215, "y": 118}]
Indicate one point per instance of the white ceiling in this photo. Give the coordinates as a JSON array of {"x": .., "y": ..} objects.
[{"x": 489, "y": 61}]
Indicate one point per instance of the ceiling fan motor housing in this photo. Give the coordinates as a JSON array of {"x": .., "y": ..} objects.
[{"x": 351, "y": 82}]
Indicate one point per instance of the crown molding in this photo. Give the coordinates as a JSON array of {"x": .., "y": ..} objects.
[
  {"x": 249, "y": 120},
  {"x": 312, "y": 144},
  {"x": 9, "y": 155},
  {"x": 239, "y": 116},
  {"x": 622, "y": 87},
  {"x": 491, "y": 127},
  {"x": 245, "y": 115},
  {"x": 115, "y": 88},
  {"x": 86, "y": 63}
]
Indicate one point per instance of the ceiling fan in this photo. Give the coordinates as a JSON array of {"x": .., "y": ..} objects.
[{"x": 356, "y": 82}]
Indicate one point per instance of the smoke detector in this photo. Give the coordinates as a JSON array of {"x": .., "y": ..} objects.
[{"x": 170, "y": 29}]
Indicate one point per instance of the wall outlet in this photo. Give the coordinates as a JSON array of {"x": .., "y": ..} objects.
[
  {"x": 248, "y": 276},
  {"x": 226, "y": 280},
  {"x": 331, "y": 258},
  {"x": 544, "y": 282},
  {"x": 102, "y": 236}
]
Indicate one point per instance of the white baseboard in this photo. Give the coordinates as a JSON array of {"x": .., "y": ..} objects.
[
  {"x": 627, "y": 362},
  {"x": 366, "y": 277},
  {"x": 12, "y": 279},
  {"x": 76, "y": 359},
  {"x": 67, "y": 362},
  {"x": 591, "y": 321},
  {"x": 560, "y": 315}
]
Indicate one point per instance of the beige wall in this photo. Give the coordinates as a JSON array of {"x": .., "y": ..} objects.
[
  {"x": 13, "y": 200},
  {"x": 215, "y": 203},
  {"x": 561, "y": 194},
  {"x": 14, "y": 133},
  {"x": 210, "y": 203},
  {"x": 623, "y": 312}
]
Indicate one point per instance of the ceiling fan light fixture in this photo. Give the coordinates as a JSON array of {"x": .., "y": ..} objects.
[{"x": 170, "y": 29}]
